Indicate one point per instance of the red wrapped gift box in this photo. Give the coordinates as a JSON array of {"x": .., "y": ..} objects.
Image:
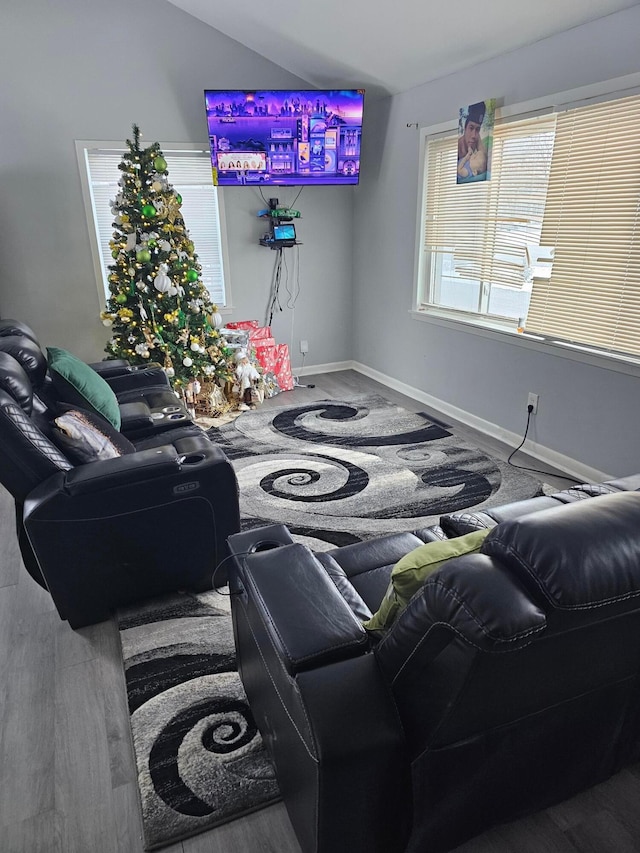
[
  {"x": 266, "y": 355},
  {"x": 265, "y": 342},
  {"x": 283, "y": 368},
  {"x": 262, "y": 333},
  {"x": 244, "y": 324}
]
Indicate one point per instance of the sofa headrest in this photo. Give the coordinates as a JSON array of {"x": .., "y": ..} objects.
[
  {"x": 576, "y": 556},
  {"x": 15, "y": 382},
  {"x": 16, "y": 327},
  {"x": 28, "y": 354}
]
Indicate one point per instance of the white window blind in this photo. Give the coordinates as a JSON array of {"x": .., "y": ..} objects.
[
  {"x": 190, "y": 175},
  {"x": 488, "y": 225},
  {"x": 592, "y": 219}
]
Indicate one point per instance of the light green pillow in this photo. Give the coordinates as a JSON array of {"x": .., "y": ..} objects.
[
  {"x": 411, "y": 571},
  {"x": 79, "y": 385}
]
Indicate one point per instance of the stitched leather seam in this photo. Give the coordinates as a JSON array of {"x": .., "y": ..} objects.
[
  {"x": 465, "y": 639},
  {"x": 589, "y": 606},
  {"x": 275, "y": 686},
  {"x": 448, "y": 591},
  {"x": 20, "y": 420}
]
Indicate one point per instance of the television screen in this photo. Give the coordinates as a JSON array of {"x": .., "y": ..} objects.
[{"x": 284, "y": 137}]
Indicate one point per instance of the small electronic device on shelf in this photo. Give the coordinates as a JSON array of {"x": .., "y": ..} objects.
[{"x": 282, "y": 231}]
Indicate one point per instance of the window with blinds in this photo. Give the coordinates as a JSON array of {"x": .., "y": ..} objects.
[
  {"x": 480, "y": 237},
  {"x": 592, "y": 218},
  {"x": 552, "y": 242},
  {"x": 190, "y": 175}
]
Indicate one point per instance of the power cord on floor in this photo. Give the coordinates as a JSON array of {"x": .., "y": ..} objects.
[
  {"x": 536, "y": 470},
  {"x": 296, "y": 381}
]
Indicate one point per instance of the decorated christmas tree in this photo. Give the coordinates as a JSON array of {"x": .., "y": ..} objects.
[{"x": 159, "y": 310}]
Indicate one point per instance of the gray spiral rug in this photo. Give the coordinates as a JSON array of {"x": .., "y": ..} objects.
[
  {"x": 339, "y": 472},
  {"x": 200, "y": 759},
  {"x": 335, "y": 473}
]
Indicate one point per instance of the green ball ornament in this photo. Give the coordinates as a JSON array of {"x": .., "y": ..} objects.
[
  {"x": 121, "y": 298},
  {"x": 192, "y": 275},
  {"x": 178, "y": 198},
  {"x": 143, "y": 256},
  {"x": 151, "y": 243},
  {"x": 114, "y": 253},
  {"x": 159, "y": 164},
  {"x": 148, "y": 210}
]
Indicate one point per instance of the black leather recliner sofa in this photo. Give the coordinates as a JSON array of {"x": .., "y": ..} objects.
[
  {"x": 148, "y": 405},
  {"x": 510, "y": 682},
  {"x": 105, "y": 533}
]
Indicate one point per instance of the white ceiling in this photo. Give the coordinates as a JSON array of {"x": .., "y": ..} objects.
[{"x": 389, "y": 46}]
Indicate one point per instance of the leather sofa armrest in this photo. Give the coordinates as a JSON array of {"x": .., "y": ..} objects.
[
  {"x": 111, "y": 367},
  {"x": 133, "y": 468},
  {"x": 326, "y": 715},
  {"x": 148, "y": 377},
  {"x": 137, "y": 469},
  {"x": 135, "y": 416},
  {"x": 308, "y": 620}
]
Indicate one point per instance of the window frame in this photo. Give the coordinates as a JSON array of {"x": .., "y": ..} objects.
[
  {"x": 495, "y": 327},
  {"x": 82, "y": 146}
]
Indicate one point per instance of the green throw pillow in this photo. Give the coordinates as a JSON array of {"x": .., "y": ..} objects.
[
  {"x": 79, "y": 385},
  {"x": 410, "y": 572}
]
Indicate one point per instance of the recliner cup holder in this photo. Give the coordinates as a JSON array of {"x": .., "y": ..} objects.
[
  {"x": 192, "y": 458},
  {"x": 264, "y": 545},
  {"x": 179, "y": 416},
  {"x": 169, "y": 410}
]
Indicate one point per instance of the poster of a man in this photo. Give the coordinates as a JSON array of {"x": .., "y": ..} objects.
[{"x": 475, "y": 128}]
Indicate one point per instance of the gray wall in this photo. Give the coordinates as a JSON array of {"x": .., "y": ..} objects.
[
  {"x": 587, "y": 414},
  {"x": 82, "y": 69},
  {"x": 89, "y": 69}
]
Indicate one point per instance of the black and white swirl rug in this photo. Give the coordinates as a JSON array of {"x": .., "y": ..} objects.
[
  {"x": 339, "y": 472},
  {"x": 335, "y": 473},
  {"x": 200, "y": 759}
]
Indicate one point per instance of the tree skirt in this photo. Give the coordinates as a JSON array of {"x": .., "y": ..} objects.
[{"x": 335, "y": 473}]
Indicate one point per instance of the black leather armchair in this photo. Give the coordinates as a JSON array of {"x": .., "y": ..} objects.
[
  {"x": 111, "y": 532},
  {"x": 509, "y": 683}
]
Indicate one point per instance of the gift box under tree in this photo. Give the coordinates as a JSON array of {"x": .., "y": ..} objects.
[{"x": 283, "y": 367}]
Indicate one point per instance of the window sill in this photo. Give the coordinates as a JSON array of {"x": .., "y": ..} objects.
[{"x": 584, "y": 355}]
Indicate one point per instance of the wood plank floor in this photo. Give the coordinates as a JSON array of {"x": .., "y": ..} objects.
[{"x": 67, "y": 776}]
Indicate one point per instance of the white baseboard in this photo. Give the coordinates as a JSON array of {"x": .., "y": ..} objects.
[
  {"x": 572, "y": 467},
  {"x": 330, "y": 367}
]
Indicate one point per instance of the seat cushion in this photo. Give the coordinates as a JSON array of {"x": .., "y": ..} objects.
[
  {"x": 77, "y": 384},
  {"x": 410, "y": 572}
]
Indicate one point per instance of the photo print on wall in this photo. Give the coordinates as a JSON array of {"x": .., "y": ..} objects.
[{"x": 475, "y": 141}]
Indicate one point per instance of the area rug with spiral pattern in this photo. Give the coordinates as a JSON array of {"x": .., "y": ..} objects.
[
  {"x": 335, "y": 472},
  {"x": 339, "y": 472}
]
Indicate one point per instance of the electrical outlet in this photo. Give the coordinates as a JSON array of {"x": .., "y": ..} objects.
[
  {"x": 304, "y": 347},
  {"x": 532, "y": 400}
]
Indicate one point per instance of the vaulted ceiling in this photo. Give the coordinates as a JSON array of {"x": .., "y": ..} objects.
[{"x": 390, "y": 47}]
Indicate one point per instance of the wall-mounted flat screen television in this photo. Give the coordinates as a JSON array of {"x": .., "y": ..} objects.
[{"x": 284, "y": 137}]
